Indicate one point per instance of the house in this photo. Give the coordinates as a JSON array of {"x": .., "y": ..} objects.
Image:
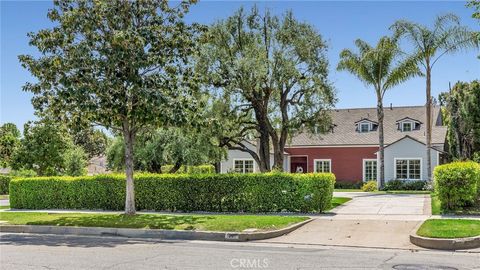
[
  {"x": 349, "y": 149},
  {"x": 97, "y": 165}
]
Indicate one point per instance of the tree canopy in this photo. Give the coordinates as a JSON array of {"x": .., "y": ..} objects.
[
  {"x": 119, "y": 64},
  {"x": 271, "y": 72},
  {"x": 9, "y": 142}
]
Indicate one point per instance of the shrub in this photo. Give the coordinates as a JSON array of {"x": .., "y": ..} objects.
[
  {"x": 75, "y": 161},
  {"x": 200, "y": 169},
  {"x": 456, "y": 184},
  {"x": 4, "y": 184},
  {"x": 271, "y": 192},
  {"x": 405, "y": 185},
  {"x": 369, "y": 186},
  {"x": 23, "y": 173},
  {"x": 348, "y": 185}
]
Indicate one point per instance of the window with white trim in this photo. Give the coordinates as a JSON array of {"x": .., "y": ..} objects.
[
  {"x": 323, "y": 165},
  {"x": 243, "y": 165},
  {"x": 407, "y": 126},
  {"x": 364, "y": 127},
  {"x": 408, "y": 169},
  {"x": 369, "y": 170}
]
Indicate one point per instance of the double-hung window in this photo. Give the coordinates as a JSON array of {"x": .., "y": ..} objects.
[
  {"x": 323, "y": 165},
  {"x": 406, "y": 126},
  {"x": 243, "y": 165},
  {"x": 408, "y": 169}
]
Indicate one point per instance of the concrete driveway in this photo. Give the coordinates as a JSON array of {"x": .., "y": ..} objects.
[{"x": 368, "y": 220}]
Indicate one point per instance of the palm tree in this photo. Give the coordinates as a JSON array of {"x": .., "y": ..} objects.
[
  {"x": 430, "y": 44},
  {"x": 382, "y": 68}
]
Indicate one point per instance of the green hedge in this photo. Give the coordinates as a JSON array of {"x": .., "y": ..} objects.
[
  {"x": 4, "y": 184},
  {"x": 457, "y": 184},
  {"x": 200, "y": 169},
  {"x": 272, "y": 192}
]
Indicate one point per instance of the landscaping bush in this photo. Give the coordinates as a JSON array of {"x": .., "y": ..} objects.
[
  {"x": 456, "y": 184},
  {"x": 405, "y": 185},
  {"x": 4, "y": 184},
  {"x": 273, "y": 192},
  {"x": 369, "y": 186},
  {"x": 348, "y": 185}
]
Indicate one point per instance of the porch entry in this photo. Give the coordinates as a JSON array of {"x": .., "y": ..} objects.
[{"x": 298, "y": 164}]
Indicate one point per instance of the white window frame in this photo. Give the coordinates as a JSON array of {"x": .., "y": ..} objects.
[
  {"x": 407, "y": 122},
  {"x": 315, "y": 164},
  {"x": 408, "y": 168},
  {"x": 364, "y": 161},
  {"x": 364, "y": 123},
  {"x": 243, "y": 167}
]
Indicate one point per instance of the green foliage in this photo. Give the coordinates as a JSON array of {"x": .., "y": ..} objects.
[
  {"x": 156, "y": 149},
  {"x": 9, "y": 142},
  {"x": 93, "y": 141},
  {"x": 75, "y": 161},
  {"x": 200, "y": 169},
  {"x": 23, "y": 173},
  {"x": 369, "y": 186},
  {"x": 463, "y": 114},
  {"x": 348, "y": 185},
  {"x": 4, "y": 184},
  {"x": 271, "y": 75},
  {"x": 271, "y": 192},
  {"x": 43, "y": 148},
  {"x": 405, "y": 185},
  {"x": 456, "y": 184}
]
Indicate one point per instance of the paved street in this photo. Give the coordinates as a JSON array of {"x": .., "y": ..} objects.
[{"x": 29, "y": 251}]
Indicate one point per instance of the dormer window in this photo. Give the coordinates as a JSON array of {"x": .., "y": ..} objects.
[
  {"x": 364, "y": 127},
  {"x": 406, "y": 126}
]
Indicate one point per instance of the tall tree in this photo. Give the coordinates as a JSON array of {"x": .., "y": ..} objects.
[
  {"x": 9, "y": 142},
  {"x": 447, "y": 36},
  {"x": 382, "y": 68},
  {"x": 463, "y": 119},
  {"x": 272, "y": 72},
  {"x": 118, "y": 64},
  {"x": 43, "y": 148}
]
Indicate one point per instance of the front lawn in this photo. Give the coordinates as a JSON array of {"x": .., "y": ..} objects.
[
  {"x": 449, "y": 228},
  {"x": 337, "y": 201},
  {"x": 233, "y": 223}
]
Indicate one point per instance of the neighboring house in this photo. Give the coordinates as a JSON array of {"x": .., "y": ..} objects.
[
  {"x": 349, "y": 149},
  {"x": 97, "y": 165}
]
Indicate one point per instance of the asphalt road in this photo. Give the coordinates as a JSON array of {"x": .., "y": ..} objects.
[{"x": 31, "y": 251}]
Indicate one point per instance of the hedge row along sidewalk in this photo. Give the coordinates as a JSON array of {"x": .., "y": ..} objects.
[{"x": 254, "y": 193}]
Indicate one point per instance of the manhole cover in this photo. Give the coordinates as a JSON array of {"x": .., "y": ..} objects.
[{"x": 422, "y": 267}]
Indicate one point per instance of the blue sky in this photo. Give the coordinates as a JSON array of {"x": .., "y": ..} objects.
[{"x": 339, "y": 22}]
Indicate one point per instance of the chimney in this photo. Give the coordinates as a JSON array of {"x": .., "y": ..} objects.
[{"x": 391, "y": 107}]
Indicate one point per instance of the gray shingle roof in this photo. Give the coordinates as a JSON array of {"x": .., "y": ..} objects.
[{"x": 345, "y": 133}]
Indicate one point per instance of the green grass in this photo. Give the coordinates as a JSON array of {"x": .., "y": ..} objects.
[
  {"x": 3, "y": 197},
  {"x": 5, "y": 207},
  {"x": 449, "y": 228},
  {"x": 233, "y": 223},
  {"x": 336, "y": 201}
]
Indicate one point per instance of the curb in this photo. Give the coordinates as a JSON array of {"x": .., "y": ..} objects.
[
  {"x": 445, "y": 243},
  {"x": 152, "y": 233}
]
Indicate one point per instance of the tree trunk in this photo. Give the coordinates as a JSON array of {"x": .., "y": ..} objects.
[
  {"x": 264, "y": 138},
  {"x": 175, "y": 167},
  {"x": 428, "y": 112},
  {"x": 129, "y": 138},
  {"x": 381, "y": 150}
]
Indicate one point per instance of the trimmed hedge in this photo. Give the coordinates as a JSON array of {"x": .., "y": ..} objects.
[
  {"x": 273, "y": 192},
  {"x": 4, "y": 184},
  {"x": 405, "y": 185},
  {"x": 457, "y": 184}
]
